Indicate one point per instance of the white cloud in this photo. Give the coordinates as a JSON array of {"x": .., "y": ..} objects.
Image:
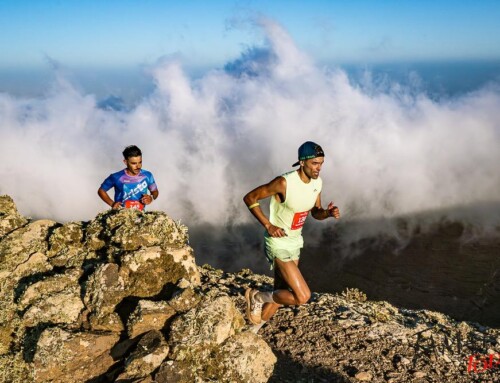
[{"x": 209, "y": 141}]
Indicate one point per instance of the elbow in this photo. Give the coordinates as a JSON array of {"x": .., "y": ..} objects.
[{"x": 247, "y": 199}]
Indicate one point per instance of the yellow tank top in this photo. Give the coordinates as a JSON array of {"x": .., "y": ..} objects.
[{"x": 291, "y": 214}]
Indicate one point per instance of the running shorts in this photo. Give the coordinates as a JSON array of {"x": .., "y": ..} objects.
[{"x": 284, "y": 255}]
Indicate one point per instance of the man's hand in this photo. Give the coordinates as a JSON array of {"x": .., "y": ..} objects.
[
  {"x": 333, "y": 211},
  {"x": 275, "y": 231},
  {"x": 116, "y": 205},
  {"x": 146, "y": 199}
]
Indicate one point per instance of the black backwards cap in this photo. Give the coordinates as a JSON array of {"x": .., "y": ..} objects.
[{"x": 309, "y": 150}]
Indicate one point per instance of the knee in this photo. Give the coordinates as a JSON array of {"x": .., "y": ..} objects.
[{"x": 303, "y": 297}]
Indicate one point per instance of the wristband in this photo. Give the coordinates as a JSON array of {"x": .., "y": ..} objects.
[{"x": 253, "y": 205}]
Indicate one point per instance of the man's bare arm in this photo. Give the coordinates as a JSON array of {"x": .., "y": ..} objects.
[
  {"x": 105, "y": 197},
  {"x": 276, "y": 187},
  {"x": 320, "y": 214}
]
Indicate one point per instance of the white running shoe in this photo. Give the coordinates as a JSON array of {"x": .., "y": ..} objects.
[{"x": 254, "y": 308}]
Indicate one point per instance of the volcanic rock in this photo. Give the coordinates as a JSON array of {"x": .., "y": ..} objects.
[
  {"x": 148, "y": 316},
  {"x": 62, "y": 355},
  {"x": 68, "y": 290}
]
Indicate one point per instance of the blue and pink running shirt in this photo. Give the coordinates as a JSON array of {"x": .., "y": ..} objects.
[{"x": 129, "y": 188}]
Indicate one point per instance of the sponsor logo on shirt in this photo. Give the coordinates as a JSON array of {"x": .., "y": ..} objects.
[{"x": 139, "y": 189}]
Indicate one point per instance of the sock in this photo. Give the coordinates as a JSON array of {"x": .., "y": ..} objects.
[
  {"x": 256, "y": 327},
  {"x": 264, "y": 297}
]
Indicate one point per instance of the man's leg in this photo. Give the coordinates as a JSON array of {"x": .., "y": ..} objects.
[
  {"x": 289, "y": 278},
  {"x": 293, "y": 278},
  {"x": 270, "y": 309}
]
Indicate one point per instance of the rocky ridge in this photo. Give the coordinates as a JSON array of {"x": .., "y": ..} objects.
[
  {"x": 121, "y": 299},
  {"x": 116, "y": 299},
  {"x": 347, "y": 338}
]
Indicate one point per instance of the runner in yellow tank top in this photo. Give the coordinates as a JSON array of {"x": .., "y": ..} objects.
[{"x": 293, "y": 196}]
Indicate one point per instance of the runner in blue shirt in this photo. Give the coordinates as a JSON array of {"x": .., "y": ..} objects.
[{"x": 131, "y": 184}]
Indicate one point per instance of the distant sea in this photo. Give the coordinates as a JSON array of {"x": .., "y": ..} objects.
[{"x": 437, "y": 80}]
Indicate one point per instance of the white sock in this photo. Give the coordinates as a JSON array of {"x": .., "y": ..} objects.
[
  {"x": 264, "y": 297},
  {"x": 256, "y": 327}
]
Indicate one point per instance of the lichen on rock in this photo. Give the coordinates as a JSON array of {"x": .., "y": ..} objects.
[
  {"x": 10, "y": 219},
  {"x": 94, "y": 301},
  {"x": 18, "y": 246},
  {"x": 150, "y": 352},
  {"x": 63, "y": 355},
  {"x": 209, "y": 323},
  {"x": 147, "y": 316}
]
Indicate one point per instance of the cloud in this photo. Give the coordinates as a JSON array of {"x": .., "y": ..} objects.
[{"x": 389, "y": 150}]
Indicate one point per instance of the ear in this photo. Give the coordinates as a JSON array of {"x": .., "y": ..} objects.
[
  {"x": 125, "y": 162},
  {"x": 301, "y": 163}
]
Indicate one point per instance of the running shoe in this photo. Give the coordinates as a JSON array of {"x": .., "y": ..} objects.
[{"x": 254, "y": 308}]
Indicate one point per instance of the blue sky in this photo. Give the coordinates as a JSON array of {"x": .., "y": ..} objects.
[
  {"x": 128, "y": 33},
  {"x": 413, "y": 75}
]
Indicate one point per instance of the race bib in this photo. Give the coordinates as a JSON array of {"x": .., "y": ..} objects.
[
  {"x": 133, "y": 205},
  {"x": 299, "y": 219}
]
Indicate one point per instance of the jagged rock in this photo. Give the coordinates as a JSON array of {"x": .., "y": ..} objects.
[
  {"x": 335, "y": 337},
  {"x": 195, "y": 338},
  {"x": 104, "y": 290},
  {"x": 147, "y": 316},
  {"x": 245, "y": 357},
  {"x": 129, "y": 229},
  {"x": 60, "y": 308},
  {"x": 133, "y": 230},
  {"x": 7, "y": 329},
  {"x": 61, "y": 355},
  {"x": 10, "y": 219},
  {"x": 208, "y": 324},
  {"x": 66, "y": 237},
  {"x": 66, "y": 248},
  {"x": 109, "y": 322},
  {"x": 89, "y": 278},
  {"x": 50, "y": 286},
  {"x": 94, "y": 234},
  {"x": 17, "y": 247},
  {"x": 149, "y": 270},
  {"x": 72, "y": 258},
  {"x": 144, "y": 273},
  {"x": 148, "y": 355},
  {"x": 21, "y": 254},
  {"x": 184, "y": 300},
  {"x": 14, "y": 369},
  {"x": 35, "y": 264}
]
